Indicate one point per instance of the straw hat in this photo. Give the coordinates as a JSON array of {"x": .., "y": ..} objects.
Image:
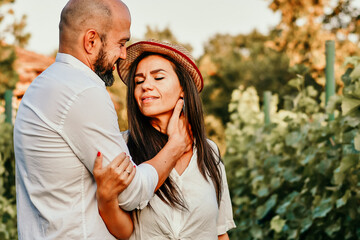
[{"x": 176, "y": 52}]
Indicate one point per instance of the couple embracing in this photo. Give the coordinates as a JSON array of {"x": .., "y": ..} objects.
[{"x": 79, "y": 177}]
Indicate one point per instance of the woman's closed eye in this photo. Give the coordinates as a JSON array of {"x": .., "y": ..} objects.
[
  {"x": 158, "y": 76},
  {"x": 139, "y": 80}
]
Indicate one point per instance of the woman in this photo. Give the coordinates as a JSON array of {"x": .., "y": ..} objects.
[{"x": 194, "y": 201}]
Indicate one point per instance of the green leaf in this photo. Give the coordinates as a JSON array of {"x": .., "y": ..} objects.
[
  {"x": 277, "y": 223},
  {"x": 296, "y": 82},
  {"x": 262, "y": 210},
  {"x": 292, "y": 138},
  {"x": 286, "y": 202},
  {"x": 263, "y": 191},
  {"x": 256, "y": 232},
  {"x": 323, "y": 209},
  {"x": 333, "y": 228},
  {"x": 343, "y": 200},
  {"x": 311, "y": 91},
  {"x": 346, "y": 162},
  {"x": 352, "y": 121},
  {"x": 275, "y": 183},
  {"x": 290, "y": 176},
  {"x": 308, "y": 158},
  {"x": 349, "y": 104},
  {"x": 305, "y": 224},
  {"x": 356, "y": 72},
  {"x": 357, "y": 141}
]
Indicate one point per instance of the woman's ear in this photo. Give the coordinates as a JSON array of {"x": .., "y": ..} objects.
[
  {"x": 91, "y": 41},
  {"x": 182, "y": 95}
]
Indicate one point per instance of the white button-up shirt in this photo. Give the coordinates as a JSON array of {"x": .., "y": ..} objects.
[
  {"x": 204, "y": 219},
  {"x": 64, "y": 119}
]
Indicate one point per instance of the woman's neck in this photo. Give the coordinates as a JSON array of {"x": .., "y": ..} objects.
[{"x": 160, "y": 123}]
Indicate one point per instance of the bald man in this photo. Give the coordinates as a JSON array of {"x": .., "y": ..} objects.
[{"x": 66, "y": 117}]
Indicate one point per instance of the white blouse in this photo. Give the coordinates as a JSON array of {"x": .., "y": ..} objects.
[{"x": 203, "y": 219}]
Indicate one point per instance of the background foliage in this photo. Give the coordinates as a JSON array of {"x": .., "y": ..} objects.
[
  {"x": 11, "y": 31},
  {"x": 7, "y": 182},
  {"x": 298, "y": 177}
]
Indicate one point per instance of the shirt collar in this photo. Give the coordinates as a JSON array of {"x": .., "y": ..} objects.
[{"x": 76, "y": 63}]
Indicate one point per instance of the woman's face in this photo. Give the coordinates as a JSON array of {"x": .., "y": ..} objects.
[{"x": 157, "y": 87}]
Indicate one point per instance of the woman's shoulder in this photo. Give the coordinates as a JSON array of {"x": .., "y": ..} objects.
[
  {"x": 212, "y": 145},
  {"x": 125, "y": 135},
  {"x": 215, "y": 149}
]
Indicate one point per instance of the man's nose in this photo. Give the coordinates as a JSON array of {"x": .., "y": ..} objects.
[{"x": 123, "y": 53}]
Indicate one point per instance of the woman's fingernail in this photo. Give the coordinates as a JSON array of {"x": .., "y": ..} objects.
[
  {"x": 98, "y": 154},
  {"x": 134, "y": 166}
]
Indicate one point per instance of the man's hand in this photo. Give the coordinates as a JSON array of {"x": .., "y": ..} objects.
[
  {"x": 179, "y": 130},
  {"x": 114, "y": 178}
]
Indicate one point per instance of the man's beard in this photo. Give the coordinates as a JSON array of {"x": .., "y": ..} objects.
[{"x": 104, "y": 69}]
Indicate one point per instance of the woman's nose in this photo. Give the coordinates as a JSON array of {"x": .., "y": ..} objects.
[{"x": 147, "y": 84}]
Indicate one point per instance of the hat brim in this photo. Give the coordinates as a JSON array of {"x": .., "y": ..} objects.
[{"x": 175, "y": 52}]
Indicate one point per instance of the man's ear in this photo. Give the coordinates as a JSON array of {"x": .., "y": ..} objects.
[{"x": 91, "y": 41}]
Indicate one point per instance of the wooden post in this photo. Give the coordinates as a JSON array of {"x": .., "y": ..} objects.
[
  {"x": 8, "y": 106},
  {"x": 329, "y": 72},
  {"x": 267, "y": 101}
]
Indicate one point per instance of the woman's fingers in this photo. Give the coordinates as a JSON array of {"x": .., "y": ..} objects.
[
  {"x": 98, "y": 163},
  {"x": 127, "y": 176},
  {"x": 173, "y": 122},
  {"x": 118, "y": 160},
  {"x": 131, "y": 175},
  {"x": 129, "y": 168},
  {"x": 178, "y": 107},
  {"x": 114, "y": 178}
]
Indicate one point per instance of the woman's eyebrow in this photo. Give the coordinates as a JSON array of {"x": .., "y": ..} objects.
[
  {"x": 139, "y": 75},
  {"x": 157, "y": 70},
  {"x": 152, "y": 72}
]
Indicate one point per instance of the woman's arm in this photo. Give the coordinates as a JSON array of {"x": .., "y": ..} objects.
[
  {"x": 111, "y": 181},
  {"x": 223, "y": 237}
]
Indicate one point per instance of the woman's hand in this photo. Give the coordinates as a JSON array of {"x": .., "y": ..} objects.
[
  {"x": 179, "y": 129},
  {"x": 111, "y": 181},
  {"x": 114, "y": 178}
]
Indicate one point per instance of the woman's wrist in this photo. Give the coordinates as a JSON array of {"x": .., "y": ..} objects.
[{"x": 105, "y": 200}]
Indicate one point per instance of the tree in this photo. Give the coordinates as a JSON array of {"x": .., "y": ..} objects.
[
  {"x": 12, "y": 34},
  {"x": 165, "y": 35},
  {"x": 305, "y": 26},
  {"x": 244, "y": 59}
]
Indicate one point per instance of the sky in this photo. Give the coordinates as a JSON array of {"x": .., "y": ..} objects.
[{"x": 191, "y": 21}]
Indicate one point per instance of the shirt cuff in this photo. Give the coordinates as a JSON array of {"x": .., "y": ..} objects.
[
  {"x": 141, "y": 189},
  {"x": 222, "y": 229}
]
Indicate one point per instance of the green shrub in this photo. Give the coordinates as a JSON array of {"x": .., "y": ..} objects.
[
  {"x": 8, "y": 229},
  {"x": 298, "y": 177}
]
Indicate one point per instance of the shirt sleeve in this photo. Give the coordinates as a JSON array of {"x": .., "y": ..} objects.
[
  {"x": 90, "y": 125},
  {"x": 225, "y": 219}
]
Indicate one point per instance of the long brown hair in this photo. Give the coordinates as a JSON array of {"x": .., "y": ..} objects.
[{"x": 145, "y": 141}]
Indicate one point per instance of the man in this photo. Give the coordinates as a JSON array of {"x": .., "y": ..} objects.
[{"x": 66, "y": 117}]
